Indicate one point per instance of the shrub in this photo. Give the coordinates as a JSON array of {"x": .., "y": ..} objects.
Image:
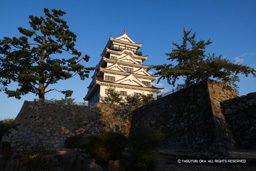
[
  {"x": 73, "y": 142},
  {"x": 77, "y": 141},
  {"x": 6, "y": 144},
  {"x": 103, "y": 147},
  {"x": 141, "y": 143},
  {"x": 5, "y": 126},
  {"x": 112, "y": 96},
  {"x": 141, "y": 162},
  {"x": 144, "y": 139},
  {"x": 107, "y": 146},
  {"x": 133, "y": 100}
]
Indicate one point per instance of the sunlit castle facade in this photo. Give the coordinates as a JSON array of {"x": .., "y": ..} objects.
[{"x": 121, "y": 67}]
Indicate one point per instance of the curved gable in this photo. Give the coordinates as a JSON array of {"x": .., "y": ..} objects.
[
  {"x": 128, "y": 58},
  {"x": 125, "y": 37},
  {"x": 116, "y": 67},
  {"x": 142, "y": 71},
  {"x": 130, "y": 80}
]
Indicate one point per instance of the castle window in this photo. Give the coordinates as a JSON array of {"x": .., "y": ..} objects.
[
  {"x": 146, "y": 83},
  {"x": 128, "y": 69},
  {"x": 123, "y": 93},
  {"x": 114, "y": 57},
  {"x": 109, "y": 78}
]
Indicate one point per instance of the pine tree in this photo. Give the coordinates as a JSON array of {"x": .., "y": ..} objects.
[
  {"x": 195, "y": 66},
  {"x": 112, "y": 97},
  {"x": 31, "y": 59}
]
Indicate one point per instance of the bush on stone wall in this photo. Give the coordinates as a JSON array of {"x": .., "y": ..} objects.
[
  {"x": 142, "y": 141},
  {"x": 77, "y": 141},
  {"x": 107, "y": 146},
  {"x": 104, "y": 147}
]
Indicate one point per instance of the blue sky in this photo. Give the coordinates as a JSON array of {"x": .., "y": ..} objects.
[{"x": 230, "y": 25}]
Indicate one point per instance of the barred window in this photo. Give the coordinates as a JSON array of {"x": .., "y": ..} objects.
[
  {"x": 109, "y": 78},
  {"x": 146, "y": 83},
  {"x": 114, "y": 57},
  {"x": 128, "y": 69},
  {"x": 123, "y": 93}
]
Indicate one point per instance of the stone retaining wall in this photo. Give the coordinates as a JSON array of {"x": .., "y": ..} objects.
[
  {"x": 46, "y": 126},
  {"x": 191, "y": 118},
  {"x": 240, "y": 113},
  {"x": 205, "y": 116}
]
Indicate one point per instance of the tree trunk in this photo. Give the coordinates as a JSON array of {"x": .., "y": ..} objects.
[
  {"x": 0, "y": 145},
  {"x": 41, "y": 92}
]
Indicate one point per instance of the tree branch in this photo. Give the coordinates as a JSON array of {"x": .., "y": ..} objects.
[
  {"x": 34, "y": 44},
  {"x": 52, "y": 90},
  {"x": 73, "y": 75}
]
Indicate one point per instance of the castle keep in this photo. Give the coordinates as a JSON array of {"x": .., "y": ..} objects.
[{"x": 121, "y": 67}]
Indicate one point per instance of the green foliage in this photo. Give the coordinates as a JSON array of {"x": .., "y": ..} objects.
[
  {"x": 29, "y": 59},
  {"x": 73, "y": 142},
  {"x": 107, "y": 146},
  {"x": 67, "y": 93},
  {"x": 69, "y": 101},
  {"x": 5, "y": 126},
  {"x": 144, "y": 139},
  {"x": 195, "y": 66},
  {"x": 133, "y": 100},
  {"x": 138, "y": 100},
  {"x": 141, "y": 143},
  {"x": 142, "y": 162},
  {"x": 146, "y": 98},
  {"x": 78, "y": 141},
  {"x": 6, "y": 144},
  {"x": 112, "y": 97},
  {"x": 103, "y": 147}
]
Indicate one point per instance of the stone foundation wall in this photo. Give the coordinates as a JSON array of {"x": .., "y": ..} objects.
[
  {"x": 240, "y": 113},
  {"x": 191, "y": 118},
  {"x": 206, "y": 116},
  {"x": 46, "y": 126}
]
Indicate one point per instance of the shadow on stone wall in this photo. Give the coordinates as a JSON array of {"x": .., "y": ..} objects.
[
  {"x": 240, "y": 113},
  {"x": 191, "y": 118}
]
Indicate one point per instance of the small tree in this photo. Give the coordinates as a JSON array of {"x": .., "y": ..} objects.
[
  {"x": 29, "y": 59},
  {"x": 5, "y": 126},
  {"x": 196, "y": 66},
  {"x": 112, "y": 97},
  {"x": 69, "y": 101},
  {"x": 138, "y": 100},
  {"x": 146, "y": 98},
  {"x": 133, "y": 100}
]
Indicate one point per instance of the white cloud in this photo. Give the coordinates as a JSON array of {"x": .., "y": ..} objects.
[
  {"x": 252, "y": 54},
  {"x": 244, "y": 54},
  {"x": 249, "y": 54},
  {"x": 239, "y": 60},
  {"x": 165, "y": 91},
  {"x": 159, "y": 85}
]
